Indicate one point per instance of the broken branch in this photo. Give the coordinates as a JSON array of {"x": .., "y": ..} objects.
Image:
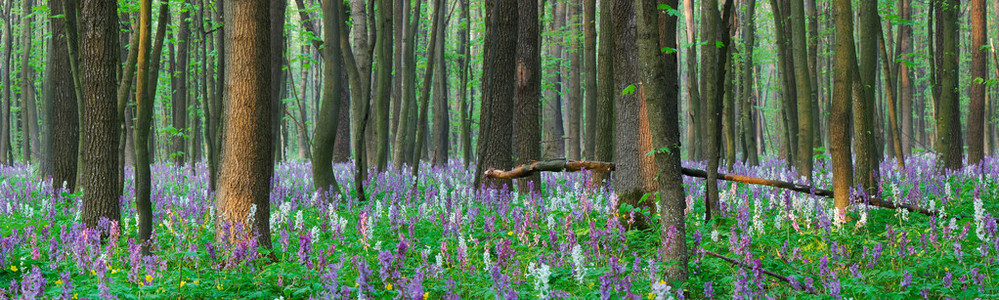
[{"x": 557, "y": 165}]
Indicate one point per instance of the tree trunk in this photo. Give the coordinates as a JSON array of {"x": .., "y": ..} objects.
[
  {"x": 865, "y": 144},
  {"x": 803, "y": 90},
  {"x": 464, "y": 98},
  {"x": 442, "y": 122},
  {"x": 788, "y": 80},
  {"x": 635, "y": 168},
  {"x": 839, "y": 131},
  {"x": 527, "y": 132},
  {"x": 553, "y": 134},
  {"x": 695, "y": 132},
  {"x": 661, "y": 98},
  {"x": 99, "y": 38},
  {"x": 712, "y": 31},
  {"x": 605, "y": 90},
  {"x": 323, "y": 179},
  {"x": 905, "y": 77},
  {"x": 7, "y": 43},
  {"x": 63, "y": 125},
  {"x": 246, "y": 162},
  {"x": 180, "y": 102},
  {"x": 29, "y": 107},
  {"x": 976, "y": 112},
  {"x": 495, "y": 147},
  {"x": 590, "y": 77},
  {"x": 384, "y": 91},
  {"x": 748, "y": 108},
  {"x": 277, "y": 16},
  {"x": 575, "y": 90},
  {"x": 949, "y": 146},
  {"x": 402, "y": 147},
  {"x": 144, "y": 105},
  {"x": 428, "y": 78}
]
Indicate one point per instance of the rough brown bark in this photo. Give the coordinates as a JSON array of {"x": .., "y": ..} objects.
[
  {"x": 905, "y": 88},
  {"x": 661, "y": 85},
  {"x": 976, "y": 112},
  {"x": 531, "y": 169},
  {"x": 29, "y": 107},
  {"x": 99, "y": 44},
  {"x": 575, "y": 99},
  {"x": 180, "y": 95},
  {"x": 590, "y": 77},
  {"x": 64, "y": 125},
  {"x": 605, "y": 89},
  {"x": 442, "y": 120},
  {"x": 246, "y": 162},
  {"x": 635, "y": 168},
  {"x": 144, "y": 106},
  {"x": 323, "y": 179},
  {"x": 7, "y": 42},
  {"x": 949, "y": 146},
  {"x": 527, "y": 131},
  {"x": 865, "y": 143},
  {"x": 495, "y": 147},
  {"x": 839, "y": 132},
  {"x": 747, "y": 108},
  {"x": 384, "y": 83}
]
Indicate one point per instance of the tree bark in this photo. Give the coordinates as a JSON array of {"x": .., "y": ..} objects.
[
  {"x": 5, "y": 142},
  {"x": 144, "y": 105},
  {"x": 527, "y": 131},
  {"x": 695, "y": 127},
  {"x": 662, "y": 98},
  {"x": 605, "y": 89},
  {"x": 949, "y": 146},
  {"x": 803, "y": 90},
  {"x": 839, "y": 132},
  {"x": 402, "y": 147},
  {"x": 63, "y": 124},
  {"x": 590, "y": 77},
  {"x": 531, "y": 168},
  {"x": 384, "y": 89},
  {"x": 905, "y": 77},
  {"x": 179, "y": 115},
  {"x": 977, "y": 109},
  {"x": 99, "y": 38},
  {"x": 428, "y": 78},
  {"x": 442, "y": 121},
  {"x": 865, "y": 144},
  {"x": 747, "y": 111},
  {"x": 246, "y": 162},
  {"x": 495, "y": 147},
  {"x": 29, "y": 107},
  {"x": 635, "y": 168},
  {"x": 323, "y": 179},
  {"x": 464, "y": 98},
  {"x": 575, "y": 90}
]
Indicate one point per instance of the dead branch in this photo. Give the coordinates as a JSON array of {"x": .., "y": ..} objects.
[
  {"x": 762, "y": 270},
  {"x": 557, "y": 165}
]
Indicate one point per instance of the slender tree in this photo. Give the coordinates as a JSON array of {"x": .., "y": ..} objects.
[
  {"x": 144, "y": 106},
  {"x": 277, "y": 111},
  {"x": 246, "y": 162},
  {"x": 905, "y": 80},
  {"x": 7, "y": 43},
  {"x": 839, "y": 131},
  {"x": 747, "y": 102},
  {"x": 323, "y": 178},
  {"x": 402, "y": 147},
  {"x": 575, "y": 105},
  {"x": 63, "y": 124},
  {"x": 442, "y": 122},
  {"x": 180, "y": 95},
  {"x": 590, "y": 77},
  {"x": 976, "y": 112},
  {"x": 949, "y": 146},
  {"x": 661, "y": 85},
  {"x": 99, "y": 42},
  {"x": 605, "y": 89},
  {"x": 802, "y": 79},
  {"x": 711, "y": 31},
  {"x": 29, "y": 107},
  {"x": 695, "y": 132},
  {"x": 384, "y": 88},
  {"x": 464, "y": 98},
  {"x": 865, "y": 145},
  {"x": 527, "y": 131}
]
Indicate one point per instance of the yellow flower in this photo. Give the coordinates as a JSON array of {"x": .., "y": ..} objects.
[
  {"x": 196, "y": 281},
  {"x": 652, "y": 296},
  {"x": 75, "y": 296},
  {"x": 509, "y": 233},
  {"x": 149, "y": 278},
  {"x": 182, "y": 283},
  {"x": 388, "y": 286},
  {"x": 13, "y": 268},
  {"x": 426, "y": 295},
  {"x": 58, "y": 281},
  {"x": 218, "y": 286}
]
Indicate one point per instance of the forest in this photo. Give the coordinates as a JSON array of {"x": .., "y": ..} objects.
[{"x": 504, "y": 149}]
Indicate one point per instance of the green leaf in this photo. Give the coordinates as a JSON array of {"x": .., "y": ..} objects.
[
  {"x": 719, "y": 44},
  {"x": 628, "y": 90},
  {"x": 668, "y": 50}
]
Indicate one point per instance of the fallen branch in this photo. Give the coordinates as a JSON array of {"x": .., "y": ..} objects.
[
  {"x": 762, "y": 270},
  {"x": 557, "y": 165},
  {"x": 804, "y": 189}
]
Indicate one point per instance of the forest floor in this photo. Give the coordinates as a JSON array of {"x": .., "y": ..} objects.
[{"x": 568, "y": 241}]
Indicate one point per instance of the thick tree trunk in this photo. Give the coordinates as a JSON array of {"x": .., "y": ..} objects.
[
  {"x": 839, "y": 131},
  {"x": 246, "y": 162},
  {"x": 803, "y": 89},
  {"x": 495, "y": 147},
  {"x": 949, "y": 146},
  {"x": 635, "y": 168},
  {"x": 323, "y": 179},
  {"x": 63, "y": 124},
  {"x": 99, "y": 28},
  {"x": 661, "y": 98},
  {"x": 865, "y": 144},
  {"x": 905, "y": 78},
  {"x": 527, "y": 131}
]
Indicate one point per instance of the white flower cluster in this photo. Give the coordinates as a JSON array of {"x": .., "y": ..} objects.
[
  {"x": 541, "y": 276},
  {"x": 579, "y": 263},
  {"x": 487, "y": 260},
  {"x": 979, "y": 220},
  {"x": 662, "y": 291},
  {"x": 758, "y": 215},
  {"x": 299, "y": 223},
  {"x": 281, "y": 215}
]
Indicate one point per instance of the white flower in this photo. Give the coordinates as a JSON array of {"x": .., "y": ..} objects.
[
  {"x": 714, "y": 235},
  {"x": 299, "y": 224},
  {"x": 486, "y": 259},
  {"x": 979, "y": 218},
  {"x": 541, "y": 276},
  {"x": 578, "y": 261}
]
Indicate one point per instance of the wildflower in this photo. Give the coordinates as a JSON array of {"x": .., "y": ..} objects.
[
  {"x": 182, "y": 283},
  {"x": 578, "y": 261},
  {"x": 13, "y": 268},
  {"x": 541, "y": 276},
  {"x": 388, "y": 286}
]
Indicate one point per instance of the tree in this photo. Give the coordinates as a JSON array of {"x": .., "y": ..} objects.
[
  {"x": 976, "y": 112},
  {"x": 464, "y": 98},
  {"x": 63, "y": 124},
  {"x": 803, "y": 90},
  {"x": 144, "y": 106},
  {"x": 695, "y": 128},
  {"x": 635, "y": 168},
  {"x": 553, "y": 130},
  {"x": 590, "y": 77},
  {"x": 527, "y": 132},
  {"x": 179, "y": 97},
  {"x": 747, "y": 117},
  {"x": 7, "y": 43},
  {"x": 839, "y": 132},
  {"x": 442, "y": 122},
  {"x": 788, "y": 87},
  {"x": 865, "y": 146},
  {"x": 714, "y": 54},
  {"x": 949, "y": 146},
  {"x": 402, "y": 147},
  {"x": 323, "y": 179},
  {"x": 277, "y": 16},
  {"x": 384, "y": 88},
  {"x": 605, "y": 89},
  {"x": 575, "y": 107},
  {"x": 661, "y": 87},
  {"x": 29, "y": 107},
  {"x": 99, "y": 42},
  {"x": 905, "y": 76},
  {"x": 246, "y": 163},
  {"x": 495, "y": 147}
]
